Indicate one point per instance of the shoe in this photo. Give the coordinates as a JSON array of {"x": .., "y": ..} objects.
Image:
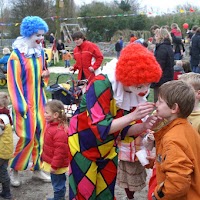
[
  {"x": 14, "y": 178},
  {"x": 42, "y": 176},
  {"x": 5, "y": 195}
]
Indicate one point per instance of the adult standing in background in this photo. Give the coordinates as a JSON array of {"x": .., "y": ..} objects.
[
  {"x": 27, "y": 77},
  {"x": 60, "y": 47},
  {"x": 87, "y": 55},
  {"x": 51, "y": 38},
  {"x": 121, "y": 41},
  {"x": 118, "y": 48},
  {"x": 4, "y": 59},
  {"x": 195, "y": 52},
  {"x": 165, "y": 56}
]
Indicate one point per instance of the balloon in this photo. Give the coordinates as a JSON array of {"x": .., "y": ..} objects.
[{"x": 185, "y": 25}]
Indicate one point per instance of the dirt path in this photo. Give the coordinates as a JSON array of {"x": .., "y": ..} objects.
[{"x": 33, "y": 189}]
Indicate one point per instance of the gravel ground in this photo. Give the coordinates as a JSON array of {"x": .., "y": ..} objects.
[{"x": 33, "y": 189}]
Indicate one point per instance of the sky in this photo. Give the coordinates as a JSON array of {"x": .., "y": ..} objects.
[{"x": 155, "y": 5}]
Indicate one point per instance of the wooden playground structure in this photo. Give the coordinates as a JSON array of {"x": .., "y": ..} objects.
[{"x": 66, "y": 35}]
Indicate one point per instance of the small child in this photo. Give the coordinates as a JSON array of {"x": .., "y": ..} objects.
[
  {"x": 177, "y": 144},
  {"x": 67, "y": 57},
  {"x": 6, "y": 144},
  {"x": 194, "y": 80},
  {"x": 55, "y": 149},
  {"x": 186, "y": 66},
  {"x": 131, "y": 173},
  {"x": 177, "y": 37},
  {"x": 178, "y": 69}
]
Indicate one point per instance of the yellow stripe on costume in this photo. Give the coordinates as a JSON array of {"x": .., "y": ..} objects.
[
  {"x": 113, "y": 107},
  {"x": 105, "y": 147},
  {"x": 74, "y": 144},
  {"x": 101, "y": 184},
  {"x": 91, "y": 174}
]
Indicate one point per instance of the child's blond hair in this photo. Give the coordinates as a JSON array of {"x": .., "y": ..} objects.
[
  {"x": 57, "y": 106},
  {"x": 175, "y": 26},
  {"x": 179, "y": 63},
  {"x": 191, "y": 78},
  {"x": 163, "y": 34},
  {"x": 4, "y": 99}
]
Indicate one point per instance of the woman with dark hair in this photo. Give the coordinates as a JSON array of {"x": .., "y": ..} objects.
[{"x": 87, "y": 55}]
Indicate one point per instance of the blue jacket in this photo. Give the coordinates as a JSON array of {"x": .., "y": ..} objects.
[{"x": 4, "y": 61}]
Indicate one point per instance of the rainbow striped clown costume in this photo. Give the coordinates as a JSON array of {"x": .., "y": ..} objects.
[{"x": 26, "y": 89}]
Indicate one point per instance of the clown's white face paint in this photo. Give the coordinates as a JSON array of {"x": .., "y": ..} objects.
[
  {"x": 140, "y": 90},
  {"x": 35, "y": 40}
]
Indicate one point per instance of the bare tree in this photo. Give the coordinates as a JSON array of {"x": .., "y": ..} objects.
[{"x": 22, "y": 8}]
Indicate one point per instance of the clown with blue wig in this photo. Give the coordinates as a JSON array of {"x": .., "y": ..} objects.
[{"x": 27, "y": 77}]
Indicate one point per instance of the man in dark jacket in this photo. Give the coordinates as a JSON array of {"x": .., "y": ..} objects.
[
  {"x": 60, "y": 48},
  {"x": 195, "y": 52},
  {"x": 118, "y": 48}
]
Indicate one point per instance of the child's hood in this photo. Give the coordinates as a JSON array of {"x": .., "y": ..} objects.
[{"x": 5, "y": 119}]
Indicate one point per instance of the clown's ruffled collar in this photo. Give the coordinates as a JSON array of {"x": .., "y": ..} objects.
[
  {"x": 21, "y": 43},
  {"x": 124, "y": 100}
]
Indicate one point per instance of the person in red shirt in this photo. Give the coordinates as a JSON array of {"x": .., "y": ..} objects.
[
  {"x": 133, "y": 38},
  {"x": 87, "y": 55}
]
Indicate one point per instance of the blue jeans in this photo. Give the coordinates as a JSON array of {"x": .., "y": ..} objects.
[
  {"x": 177, "y": 56},
  {"x": 118, "y": 54},
  {"x": 196, "y": 69},
  {"x": 67, "y": 63},
  {"x": 59, "y": 186}
]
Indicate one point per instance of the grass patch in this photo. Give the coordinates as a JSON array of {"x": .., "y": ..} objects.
[{"x": 65, "y": 78}]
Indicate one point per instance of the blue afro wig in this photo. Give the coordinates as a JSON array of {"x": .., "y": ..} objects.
[{"x": 31, "y": 25}]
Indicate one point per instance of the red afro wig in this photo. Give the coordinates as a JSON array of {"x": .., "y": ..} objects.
[{"x": 137, "y": 65}]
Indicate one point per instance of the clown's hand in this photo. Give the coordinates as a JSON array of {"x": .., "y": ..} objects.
[
  {"x": 152, "y": 121},
  {"x": 45, "y": 74},
  {"x": 142, "y": 110}
]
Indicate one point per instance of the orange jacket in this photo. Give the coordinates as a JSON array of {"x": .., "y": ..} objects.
[
  {"x": 177, "y": 162},
  {"x": 132, "y": 39},
  {"x": 67, "y": 56}
]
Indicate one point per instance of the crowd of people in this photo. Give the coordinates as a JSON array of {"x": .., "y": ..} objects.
[{"x": 115, "y": 134}]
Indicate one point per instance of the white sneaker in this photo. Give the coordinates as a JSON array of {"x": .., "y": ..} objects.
[
  {"x": 14, "y": 178},
  {"x": 42, "y": 176}
]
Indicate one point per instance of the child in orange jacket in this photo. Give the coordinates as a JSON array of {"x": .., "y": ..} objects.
[{"x": 67, "y": 57}]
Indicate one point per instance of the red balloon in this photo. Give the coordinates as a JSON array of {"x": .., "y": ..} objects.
[{"x": 185, "y": 25}]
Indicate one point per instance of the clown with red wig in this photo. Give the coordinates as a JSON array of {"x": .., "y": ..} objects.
[{"x": 109, "y": 107}]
